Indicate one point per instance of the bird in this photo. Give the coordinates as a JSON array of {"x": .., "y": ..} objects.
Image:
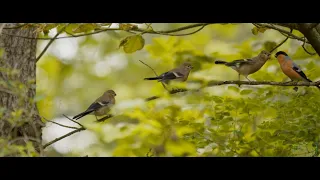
[
  {"x": 101, "y": 106},
  {"x": 246, "y": 67},
  {"x": 291, "y": 69},
  {"x": 180, "y": 73}
]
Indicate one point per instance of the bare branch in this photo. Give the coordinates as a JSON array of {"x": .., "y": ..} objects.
[
  {"x": 64, "y": 136},
  {"x": 281, "y": 42},
  {"x": 71, "y": 127},
  {"x": 219, "y": 83},
  {"x": 50, "y": 42},
  {"x": 290, "y": 35},
  {"x": 155, "y": 73},
  {"x": 135, "y": 30},
  {"x": 304, "y": 48},
  {"x": 73, "y": 121}
]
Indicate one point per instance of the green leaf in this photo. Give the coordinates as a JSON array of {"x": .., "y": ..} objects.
[
  {"x": 127, "y": 27},
  {"x": 255, "y": 31},
  {"x": 269, "y": 45},
  {"x": 262, "y": 29},
  {"x": 245, "y": 91},
  {"x": 233, "y": 88},
  {"x": 85, "y": 28},
  {"x": 132, "y": 43},
  {"x": 48, "y": 27}
]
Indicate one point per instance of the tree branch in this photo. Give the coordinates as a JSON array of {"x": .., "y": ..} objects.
[
  {"x": 64, "y": 136},
  {"x": 73, "y": 120},
  {"x": 282, "y": 42},
  {"x": 271, "y": 83},
  {"x": 73, "y": 132},
  {"x": 305, "y": 49},
  {"x": 70, "y": 127},
  {"x": 50, "y": 42},
  {"x": 219, "y": 83},
  {"x": 167, "y": 32},
  {"x": 311, "y": 34},
  {"x": 290, "y": 35}
]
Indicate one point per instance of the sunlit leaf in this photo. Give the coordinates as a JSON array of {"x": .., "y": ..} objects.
[
  {"x": 85, "y": 28},
  {"x": 132, "y": 43},
  {"x": 127, "y": 27},
  {"x": 255, "y": 31},
  {"x": 233, "y": 88},
  {"x": 245, "y": 91}
]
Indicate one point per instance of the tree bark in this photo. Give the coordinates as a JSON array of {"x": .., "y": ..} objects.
[
  {"x": 311, "y": 32},
  {"x": 20, "y": 122}
]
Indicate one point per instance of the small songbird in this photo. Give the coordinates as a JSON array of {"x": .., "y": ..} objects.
[
  {"x": 100, "y": 106},
  {"x": 291, "y": 69},
  {"x": 246, "y": 67},
  {"x": 180, "y": 73}
]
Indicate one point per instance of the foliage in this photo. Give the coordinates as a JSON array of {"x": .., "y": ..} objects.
[{"x": 215, "y": 121}]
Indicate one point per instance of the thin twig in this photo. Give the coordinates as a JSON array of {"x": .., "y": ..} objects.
[
  {"x": 50, "y": 42},
  {"x": 155, "y": 73},
  {"x": 304, "y": 48},
  {"x": 281, "y": 42},
  {"x": 64, "y": 136},
  {"x": 185, "y": 34},
  {"x": 71, "y": 127},
  {"x": 73, "y": 120},
  {"x": 290, "y": 35},
  {"x": 72, "y": 132}
]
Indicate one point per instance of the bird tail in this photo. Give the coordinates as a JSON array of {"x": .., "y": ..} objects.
[
  {"x": 152, "y": 78},
  {"x": 220, "y": 62},
  {"x": 82, "y": 114}
]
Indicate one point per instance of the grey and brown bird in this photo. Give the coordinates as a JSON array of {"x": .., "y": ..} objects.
[
  {"x": 181, "y": 73},
  {"x": 101, "y": 106},
  {"x": 246, "y": 67}
]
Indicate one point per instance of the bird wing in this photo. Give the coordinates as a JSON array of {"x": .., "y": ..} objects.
[
  {"x": 171, "y": 75},
  {"x": 237, "y": 63},
  {"x": 97, "y": 105},
  {"x": 297, "y": 69}
]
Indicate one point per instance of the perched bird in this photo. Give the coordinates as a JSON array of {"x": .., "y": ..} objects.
[
  {"x": 180, "y": 73},
  {"x": 100, "y": 106},
  {"x": 246, "y": 67},
  {"x": 291, "y": 69}
]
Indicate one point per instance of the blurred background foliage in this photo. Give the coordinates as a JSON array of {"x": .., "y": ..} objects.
[{"x": 222, "y": 120}]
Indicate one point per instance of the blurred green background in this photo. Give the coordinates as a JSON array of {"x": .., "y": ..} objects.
[{"x": 216, "y": 121}]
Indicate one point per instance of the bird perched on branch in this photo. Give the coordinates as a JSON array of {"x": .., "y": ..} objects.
[
  {"x": 246, "y": 67},
  {"x": 291, "y": 69},
  {"x": 100, "y": 106},
  {"x": 180, "y": 73}
]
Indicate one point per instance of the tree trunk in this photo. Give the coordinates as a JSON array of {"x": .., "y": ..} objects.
[
  {"x": 20, "y": 122},
  {"x": 312, "y": 33}
]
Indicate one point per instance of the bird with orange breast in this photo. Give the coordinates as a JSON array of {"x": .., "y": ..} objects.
[{"x": 291, "y": 69}]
